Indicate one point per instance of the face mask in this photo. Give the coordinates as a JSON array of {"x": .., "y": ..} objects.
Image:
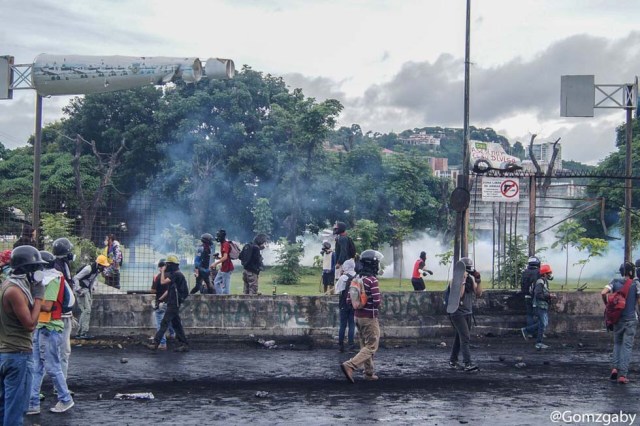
[
  {"x": 35, "y": 277},
  {"x": 71, "y": 257},
  {"x": 550, "y": 277}
]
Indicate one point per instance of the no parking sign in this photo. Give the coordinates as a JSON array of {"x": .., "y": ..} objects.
[{"x": 504, "y": 190}]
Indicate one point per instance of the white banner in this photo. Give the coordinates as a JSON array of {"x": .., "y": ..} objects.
[{"x": 504, "y": 190}]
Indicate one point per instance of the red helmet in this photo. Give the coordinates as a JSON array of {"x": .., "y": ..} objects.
[{"x": 545, "y": 268}]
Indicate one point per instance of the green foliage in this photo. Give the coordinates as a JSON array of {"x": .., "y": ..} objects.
[
  {"x": 262, "y": 217},
  {"x": 179, "y": 240},
  {"x": 288, "y": 269},
  {"x": 365, "y": 235},
  {"x": 568, "y": 234},
  {"x": 514, "y": 262},
  {"x": 56, "y": 226},
  {"x": 595, "y": 247},
  {"x": 445, "y": 258}
]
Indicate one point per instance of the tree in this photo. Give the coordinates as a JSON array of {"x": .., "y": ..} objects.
[
  {"x": 568, "y": 234},
  {"x": 401, "y": 225},
  {"x": 365, "y": 235},
  {"x": 262, "y": 217},
  {"x": 288, "y": 267},
  {"x": 594, "y": 247},
  {"x": 178, "y": 239},
  {"x": 514, "y": 262}
]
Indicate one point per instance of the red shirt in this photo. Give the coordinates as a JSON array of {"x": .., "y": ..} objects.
[
  {"x": 227, "y": 265},
  {"x": 416, "y": 267}
]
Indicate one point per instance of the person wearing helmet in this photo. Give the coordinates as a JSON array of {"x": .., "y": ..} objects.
[
  {"x": 84, "y": 284},
  {"x": 47, "y": 340},
  {"x": 62, "y": 249},
  {"x": 201, "y": 265},
  {"x": 366, "y": 318},
  {"x": 158, "y": 287},
  {"x": 461, "y": 319},
  {"x": 252, "y": 262},
  {"x": 419, "y": 271},
  {"x": 174, "y": 296},
  {"x": 21, "y": 297},
  {"x": 541, "y": 299},
  {"x": 344, "y": 248},
  {"x": 328, "y": 267},
  {"x": 529, "y": 277},
  {"x": 222, "y": 281},
  {"x": 114, "y": 254},
  {"x": 624, "y": 330}
]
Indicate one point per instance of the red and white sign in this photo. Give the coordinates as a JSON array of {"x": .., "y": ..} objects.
[{"x": 503, "y": 190}]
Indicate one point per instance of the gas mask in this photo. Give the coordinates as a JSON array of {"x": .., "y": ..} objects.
[
  {"x": 550, "y": 277},
  {"x": 35, "y": 277}
]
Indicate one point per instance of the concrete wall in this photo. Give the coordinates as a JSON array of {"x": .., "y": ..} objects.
[{"x": 404, "y": 315}]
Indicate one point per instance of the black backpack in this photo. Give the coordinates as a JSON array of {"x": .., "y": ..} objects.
[
  {"x": 529, "y": 278},
  {"x": 245, "y": 255}
]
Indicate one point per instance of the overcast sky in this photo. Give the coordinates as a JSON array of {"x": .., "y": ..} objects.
[{"x": 394, "y": 64}]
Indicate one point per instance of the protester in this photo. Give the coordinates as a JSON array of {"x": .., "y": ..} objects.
[
  {"x": 328, "y": 266},
  {"x": 541, "y": 299},
  {"x": 366, "y": 319},
  {"x": 461, "y": 319},
  {"x": 346, "y": 310},
  {"x": 529, "y": 277},
  {"x": 419, "y": 271},
  {"x": 47, "y": 341},
  {"x": 63, "y": 251},
  {"x": 624, "y": 330},
  {"x": 84, "y": 284},
  {"x": 159, "y": 287},
  {"x": 201, "y": 265},
  {"x": 253, "y": 263},
  {"x": 114, "y": 254},
  {"x": 27, "y": 238},
  {"x": 174, "y": 296},
  {"x": 222, "y": 282},
  {"x": 21, "y": 297},
  {"x": 345, "y": 248}
]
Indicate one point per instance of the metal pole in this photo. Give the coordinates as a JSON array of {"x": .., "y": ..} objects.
[
  {"x": 628, "y": 188},
  {"x": 464, "y": 249},
  {"x": 37, "y": 150},
  {"x": 532, "y": 216}
]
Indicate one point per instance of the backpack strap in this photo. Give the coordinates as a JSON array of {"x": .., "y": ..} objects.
[{"x": 627, "y": 285}]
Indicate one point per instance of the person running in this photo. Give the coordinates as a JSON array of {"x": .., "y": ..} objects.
[
  {"x": 624, "y": 331},
  {"x": 47, "y": 340},
  {"x": 174, "y": 296},
  {"x": 21, "y": 297},
  {"x": 366, "y": 318},
  {"x": 461, "y": 319},
  {"x": 541, "y": 299},
  {"x": 419, "y": 271}
]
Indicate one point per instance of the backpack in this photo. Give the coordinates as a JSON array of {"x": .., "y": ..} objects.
[
  {"x": 245, "y": 255},
  {"x": 529, "y": 278},
  {"x": 357, "y": 293},
  {"x": 182, "y": 291},
  {"x": 616, "y": 303},
  {"x": 234, "y": 250}
]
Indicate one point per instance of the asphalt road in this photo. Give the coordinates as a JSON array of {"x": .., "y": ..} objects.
[{"x": 248, "y": 384}]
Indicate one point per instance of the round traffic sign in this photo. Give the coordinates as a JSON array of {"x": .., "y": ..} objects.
[{"x": 509, "y": 188}]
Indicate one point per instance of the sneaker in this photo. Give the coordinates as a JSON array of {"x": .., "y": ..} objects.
[
  {"x": 348, "y": 372},
  {"x": 453, "y": 365},
  {"x": 524, "y": 334},
  {"x": 622, "y": 380},
  {"x": 341, "y": 349},
  {"x": 470, "y": 367},
  {"x": 371, "y": 377},
  {"x": 614, "y": 374},
  {"x": 80, "y": 336},
  {"x": 61, "y": 407},
  {"x": 540, "y": 346},
  {"x": 183, "y": 348},
  {"x": 162, "y": 346},
  {"x": 32, "y": 411}
]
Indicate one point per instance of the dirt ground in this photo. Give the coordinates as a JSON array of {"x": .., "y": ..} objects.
[{"x": 294, "y": 384}]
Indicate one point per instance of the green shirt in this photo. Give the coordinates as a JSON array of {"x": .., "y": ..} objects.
[{"x": 45, "y": 320}]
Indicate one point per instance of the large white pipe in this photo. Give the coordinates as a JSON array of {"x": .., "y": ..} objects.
[
  {"x": 219, "y": 68},
  {"x": 79, "y": 74}
]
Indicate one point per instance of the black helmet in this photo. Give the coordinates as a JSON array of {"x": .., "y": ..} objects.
[
  {"x": 468, "y": 263},
  {"x": 339, "y": 227},
  {"x": 26, "y": 259},
  {"x": 221, "y": 235},
  {"x": 627, "y": 269},
  {"x": 534, "y": 261},
  {"x": 62, "y": 247},
  {"x": 260, "y": 239},
  {"x": 206, "y": 238},
  {"x": 370, "y": 261},
  {"x": 47, "y": 257}
]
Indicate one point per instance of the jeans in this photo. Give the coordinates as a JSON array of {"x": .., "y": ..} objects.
[
  {"x": 65, "y": 345},
  {"x": 531, "y": 319},
  {"x": 462, "y": 325},
  {"x": 369, "y": 333},
  {"x": 159, "y": 314},
  {"x": 346, "y": 318},
  {"x": 543, "y": 322},
  {"x": 624, "y": 333},
  {"x": 16, "y": 372},
  {"x": 222, "y": 283},
  {"x": 46, "y": 357},
  {"x": 84, "y": 303},
  {"x": 171, "y": 317}
]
